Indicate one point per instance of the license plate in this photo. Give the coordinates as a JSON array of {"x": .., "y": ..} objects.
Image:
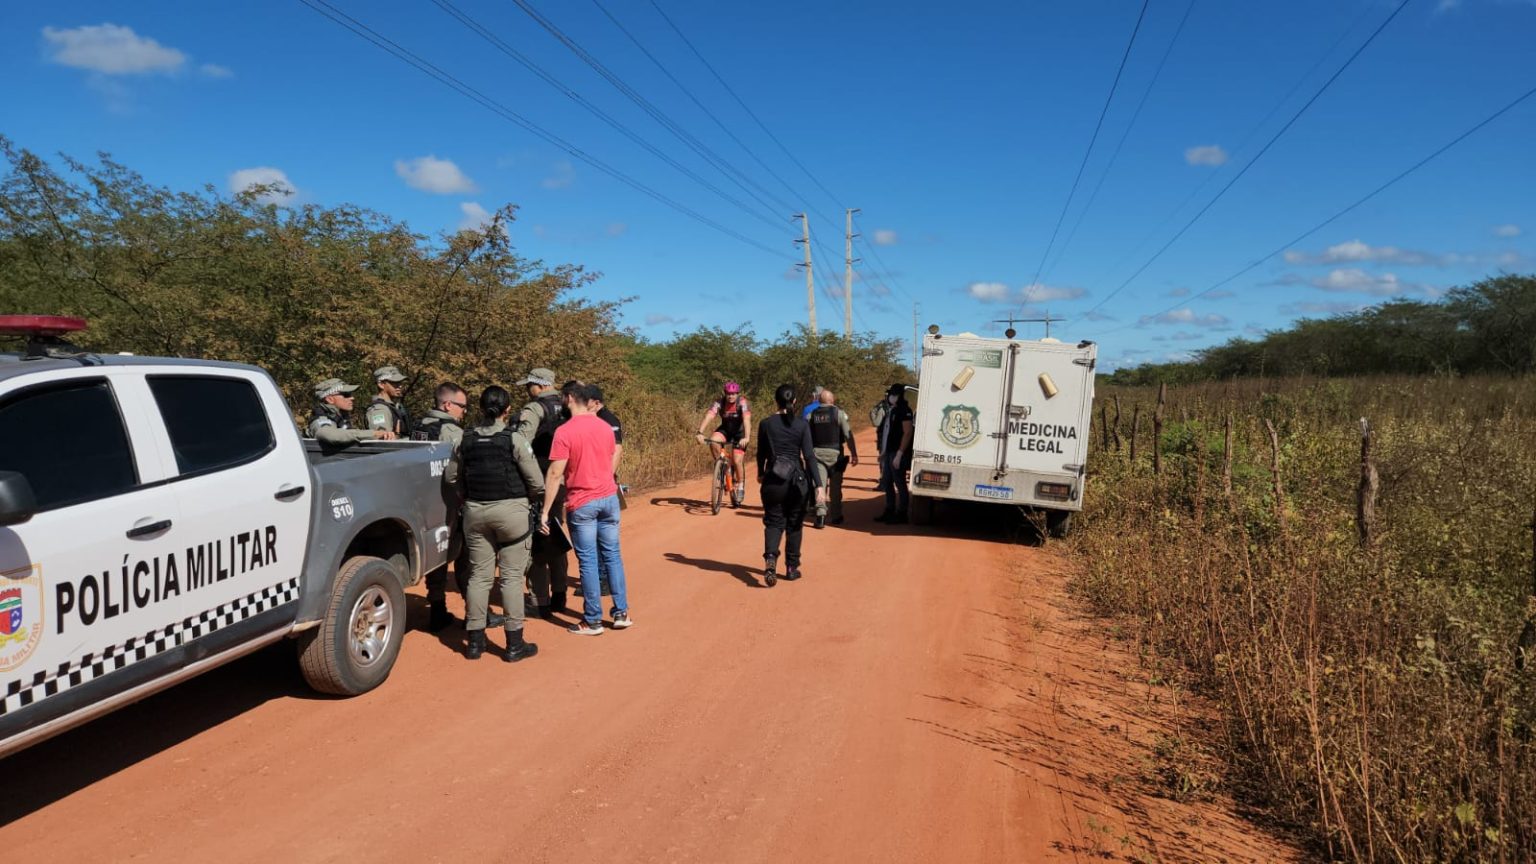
[{"x": 1002, "y": 493}]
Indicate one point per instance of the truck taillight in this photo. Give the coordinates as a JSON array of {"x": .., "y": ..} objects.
[
  {"x": 1054, "y": 491},
  {"x": 932, "y": 479}
]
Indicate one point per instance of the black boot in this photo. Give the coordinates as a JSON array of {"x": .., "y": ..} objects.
[
  {"x": 792, "y": 573},
  {"x": 769, "y": 575},
  {"x": 821, "y": 522},
  {"x": 476, "y": 645},
  {"x": 495, "y": 619},
  {"x": 557, "y": 603},
  {"x": 439, "y": 618},
  {"x": 517, "y": 649}
]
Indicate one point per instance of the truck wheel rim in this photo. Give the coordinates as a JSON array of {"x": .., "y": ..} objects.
[{"x": 373, "y": 620}]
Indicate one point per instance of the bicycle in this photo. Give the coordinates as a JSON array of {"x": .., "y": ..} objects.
[{"x": 723, "y": 484}]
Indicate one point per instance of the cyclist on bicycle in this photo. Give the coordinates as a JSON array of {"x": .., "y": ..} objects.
[{"x": 735, "y": 421}]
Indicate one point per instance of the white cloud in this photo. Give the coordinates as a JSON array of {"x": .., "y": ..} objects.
[
  {"x": 1096, "y": 315},
  {"x": 988, "y": 292},
  {"x": 1315, "y": 308},
  {"x": 263, "y": 175},
  {"x": 1185, "y": 336},
  {"x": 1358, "y": 251},
  {"x": 1179, "y": 292},
  {"x": 999, "y": 292},
  {"x": 214, "y": 70},
  {"x": 886, "y": 237},
  {"x": 616, "y": 229},
  {"x": 654, "y": 320},
  {"x": 1209, "y": 154},
  {"x": 1447, "y": 5},
  {"x": 1507, "y": 231},
  {"x": 431, "y": 174},
  {"x": 111, "y": 50},
  {"x": 564, "y": 175},
  {"x": 475, "y": 217},
  {"x": 1186, "y": 316},
  {"x": 1351, "y": 280}
]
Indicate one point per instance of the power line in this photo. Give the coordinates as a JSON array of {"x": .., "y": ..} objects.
[
  {"x": 743, "y": 104},
  {"x": 1241, "y": 145},
  {"x": 1120, "y": 145},
  {"x": 720, "y": 164},
  {"x": 502, "y": 46},
  {"x": 1256, "y": 157},
  {"x": 1358, "y": 202},
  {"x": 384, "y": 43},
  {"x": 1067, "y": 205}
]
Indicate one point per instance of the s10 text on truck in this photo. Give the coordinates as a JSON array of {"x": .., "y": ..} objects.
[{"x": 159, "y": 517}]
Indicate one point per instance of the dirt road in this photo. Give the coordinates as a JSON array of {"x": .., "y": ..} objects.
[{"x": 918, "y": 696}]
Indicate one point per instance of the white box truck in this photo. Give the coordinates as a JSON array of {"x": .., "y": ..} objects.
[{"x": 1004, "y": 421}]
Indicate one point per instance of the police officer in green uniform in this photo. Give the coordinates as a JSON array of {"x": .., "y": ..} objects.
[
  {"x": 445, "y": 422},
  {"x": 331, "y": 423},
  {"x": 829, "y": 432},
  {"x": 386, "y": 411},
  {"x": 495, "y": 467},
  {"x": 549, "y": 577}
]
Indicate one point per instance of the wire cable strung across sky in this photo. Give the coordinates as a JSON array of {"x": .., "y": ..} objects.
[
  {"x": 1035, "y": 280},
  {"x": 1256, "y": 157},
  {"x": 1120, "y": 145},
  {"x": 1336, "y": 216},
  {"x": 384, "y": 43}
]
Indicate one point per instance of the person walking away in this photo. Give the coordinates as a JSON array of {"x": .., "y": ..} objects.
[
  {"x": 445, "y": 423},
  {"x": 386, "y": 411},
  {"x": 829, "y": 433},
  {"x": 876, "y": 419},
  {"x": 895, "y": 454},
  {"x": 549, "y": 574},
  {"x": 331, "y": 422},
  {"x": 581, "y": 461},
  {"x": 814, "y": 403},
  {"x": 786, "y": 475},
  {"x": 496, "y": 467}
]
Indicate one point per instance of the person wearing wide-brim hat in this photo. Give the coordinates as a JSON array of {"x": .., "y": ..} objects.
[
  {"x": 332, "y": 420},
  {"x": 386, "y": 411}
]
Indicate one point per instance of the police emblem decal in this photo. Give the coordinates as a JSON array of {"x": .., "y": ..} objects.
[
  {"x": 960, "y": 426},
  {"x": 21, "y": 615}
]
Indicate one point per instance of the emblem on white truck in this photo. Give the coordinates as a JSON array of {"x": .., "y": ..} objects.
[
  {"x": 21, "y": 615},
  {"x": 960, "y": 425}
]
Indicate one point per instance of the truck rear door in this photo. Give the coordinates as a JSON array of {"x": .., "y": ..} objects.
[
  {"x": 91, "y": 592},
  {"x": 1049, "y": 421}
]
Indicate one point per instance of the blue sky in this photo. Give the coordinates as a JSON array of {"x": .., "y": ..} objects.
[{"x": 956, "y": 129}]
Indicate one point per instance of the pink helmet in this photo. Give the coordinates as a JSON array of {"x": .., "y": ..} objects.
[{"x": 732, "y": 387}]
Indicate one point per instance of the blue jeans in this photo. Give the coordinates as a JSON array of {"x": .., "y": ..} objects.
[{"x": 595, "y": 537}]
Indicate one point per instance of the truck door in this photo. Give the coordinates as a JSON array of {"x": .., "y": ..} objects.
[
  {"x": 90, "y": 593},
  {"x": 245, "y": 490},
  {"x": 1049, "y": 424}
]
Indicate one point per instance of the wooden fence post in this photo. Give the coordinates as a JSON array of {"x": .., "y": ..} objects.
[
  {"x": 1274, "y": 470},
  {"x": 1103, "y": 427},
  {"x": 1116, "y": 427},
  {"x": 1226, "y": 455},
  {"x": 1157, "y": 429},
  {"x": 1135, "y": 428},
  {"x": 1365, "y": 502}
]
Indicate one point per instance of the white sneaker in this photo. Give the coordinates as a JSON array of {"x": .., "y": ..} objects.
[
  {"x": 621, "y": 621},
  {"x": 582, "y": 628}
]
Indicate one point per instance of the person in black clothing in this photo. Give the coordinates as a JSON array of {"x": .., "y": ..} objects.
[
  {"x": 786, "y": 471},
  {"x": 895, "y": 438}
]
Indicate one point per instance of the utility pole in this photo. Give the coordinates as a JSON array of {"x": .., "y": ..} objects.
[
  {"x": 916, "y": 346},
  {"x": 848, "y": 278},
  {"x": 810, "y": 276}
]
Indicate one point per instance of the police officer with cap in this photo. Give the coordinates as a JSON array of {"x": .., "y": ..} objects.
[
  {"x": 829, "y": 433},
  {"x": 331, "y": 423},
  {"x": 445, "y": 422},
  {"x": 549, "y": 576},
  {"x": 495, "y": 467},
  {"x": 386, "y": 410}
]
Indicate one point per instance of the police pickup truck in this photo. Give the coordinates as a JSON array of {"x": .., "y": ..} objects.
[{"x": 160, "y": 517}]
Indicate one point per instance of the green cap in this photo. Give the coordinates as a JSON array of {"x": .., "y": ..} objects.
[
  {"x": 332, "y": 386},
  {"x": 543, "y": 377},
  {"x": 388, "y": 373}
]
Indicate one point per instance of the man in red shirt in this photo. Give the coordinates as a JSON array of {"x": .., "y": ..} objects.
[{"x": 581, "y": 459}]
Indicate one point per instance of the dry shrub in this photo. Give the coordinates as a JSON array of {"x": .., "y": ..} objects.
[{"x": 1371, "y": 694}]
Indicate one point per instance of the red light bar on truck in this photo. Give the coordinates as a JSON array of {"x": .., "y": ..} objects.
[{"x": 39, "y": 325}]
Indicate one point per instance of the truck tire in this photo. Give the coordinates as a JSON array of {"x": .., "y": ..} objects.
[
  {"x": 356, "y": 644},
  {"x": 1058, "y": 523}
]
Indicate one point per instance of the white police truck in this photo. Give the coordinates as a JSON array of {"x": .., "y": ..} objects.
[
  {"x": 1003, "y": 421},
  {"x": 159, "y": 517}
]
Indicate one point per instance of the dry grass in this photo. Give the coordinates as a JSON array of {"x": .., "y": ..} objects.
[{"x": 1371, "y": 692}]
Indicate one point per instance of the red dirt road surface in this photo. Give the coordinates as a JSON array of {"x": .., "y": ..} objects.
[{"x": 922, "y": 695}]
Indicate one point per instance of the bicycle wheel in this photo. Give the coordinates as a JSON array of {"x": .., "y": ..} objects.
[{"x": 717, "y": 488}]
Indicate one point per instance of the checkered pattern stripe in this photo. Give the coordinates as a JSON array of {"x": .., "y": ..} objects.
[{"x": 21, "y": 692}]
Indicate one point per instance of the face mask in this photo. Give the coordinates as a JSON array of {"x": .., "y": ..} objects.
[{"x": 891, "y": 399}]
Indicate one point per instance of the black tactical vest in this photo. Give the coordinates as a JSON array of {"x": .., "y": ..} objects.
[
  {"x": 323, "y": 409},
  {"x": 490, "y": 472},
  {"x": 431, "y": 428},
  {"x": 826, "y": 431},
  {"x": 554, "y": 415},
  {"x": 403, "y": 425}
]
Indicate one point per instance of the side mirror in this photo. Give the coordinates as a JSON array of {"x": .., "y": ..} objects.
[{"x": 17, "y": 504}]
